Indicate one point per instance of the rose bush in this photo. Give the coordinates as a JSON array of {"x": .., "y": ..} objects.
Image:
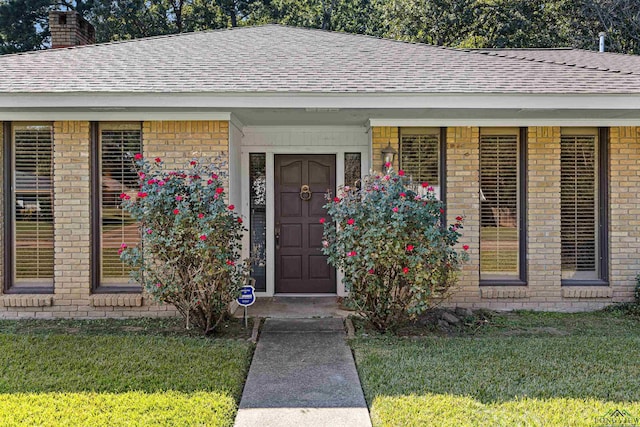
[
  {"x": 189, "y": 254},
  {"x": 397, "y": 257}
]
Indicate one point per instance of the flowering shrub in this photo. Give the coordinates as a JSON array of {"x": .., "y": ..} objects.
[
  {"x": 388, "y": 240},
  {"x": 190, "y": 248}
]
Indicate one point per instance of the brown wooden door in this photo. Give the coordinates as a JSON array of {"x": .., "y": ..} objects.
[{"x": 300, "y": 265}]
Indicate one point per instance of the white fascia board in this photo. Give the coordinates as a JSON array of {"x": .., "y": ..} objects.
[
  {"x": 106, "y": 101},
  {"x": 511, "y": 122},
  {"x": 110, "y": 115}
]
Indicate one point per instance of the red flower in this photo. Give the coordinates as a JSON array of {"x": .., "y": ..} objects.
[
  {"x": 410, "y": 247},
  {"x": 122, "y": 195},
  {"x": 122, "y": 248},
  {"x": 425, "y": 184},
  {"x": 465, "y": 247},
  {"x": 176, "y": 211},
  {"x": 142, "y": 195},
  {"x": 371, "y": 271},
  {"x": 441, "y": 211},
  {"x": 219, "y": 190},
  {"x": 401, "y": 172},
  {"x": 209, "y": 181},
  {"x": 138, "y": 156},
  {"x": 405, "y": 270},
  {"x": 193, "y": 163},
  {"x": 395, "y": 209},
  {"x": 239, "y": 220},
  {"x": 403, "y": 194},
  {"x": 203, "y": 237},
  {"x": 458, "y": 218},
  {"x": 231, "y": 207},
  {"x": 229, "y": 262},
  {"x": 336, "y": 199},
  {"x": 158, "y": 159},
  {"x": 214, "y": 176},
  {"x": 179, "y": 198},
  {"x": 200, "y": 215},
  {"x": 351, "y": 221},
  {"x": 322, "y": 220},
  {"x": 141, "y": 175},
  {"x": 387, "y": 165},
  {"x": 352, "y": 253}
]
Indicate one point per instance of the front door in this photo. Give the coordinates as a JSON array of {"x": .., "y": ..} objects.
[{"x": 300, "y": 265}]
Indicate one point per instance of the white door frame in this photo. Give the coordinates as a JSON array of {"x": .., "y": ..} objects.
[{"x": 270, "y": 152}]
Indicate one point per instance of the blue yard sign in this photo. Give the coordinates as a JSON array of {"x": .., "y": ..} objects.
[{"x": 247, "y": 296}]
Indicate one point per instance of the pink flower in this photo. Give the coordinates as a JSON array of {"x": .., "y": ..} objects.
[
  {"x": 403, "y": 194},
  {"x": 401, "y": 172},
  {"x": 200, "y": 215},
  {"x": 152, "y": 181},
  {"x": 149, "y": 231},
  {"x": 203, "y": 237},
  {"x": 219, "y": 190},
  {"x": 410, "y": 248},
  {"x": 325, "y": 244},
  {"x": 160, "y": 183},
  {"x": 352, "y": 253},
  {"x": 138, "y": 156},
  {"x": 214, "y": 176},
  {"x": 322, "y": 220},
  {"x": 127, "y": 197},
  {"x": 336, "y": 199},
  {"x": 193, "y": 163},
  {"x": 229, "y": 262},
  {"x": 465, "y": 247},
  {"x": 386, "y": 177},
  {"x": 158, "y": 285},
  {"x": 123, "y": 195},
  {"x": 375, "y": 187},
  {"x": 417, "y": 197},
  {"x": 142, "y": 195},
  {"x": 429, "y": 188},
  {"x": 387, "y": 165},
  {"x": 395, "y": 209},
  {"x": 351, "y": 221},
  {"x": 371, "y": 271},
  {"x": 179, "y": 198},
  {"x": 405, "y": 270},
  {"x": 209, "y": 181},
  {"x": 176, "y": 211},
  {"x": 231, "y": 207},
  {"x": 122, "y": 248},
  {"x": 425, "y": 184},
  {"x": 158, "y": 159},
  {"x": 142, "y": 175}
]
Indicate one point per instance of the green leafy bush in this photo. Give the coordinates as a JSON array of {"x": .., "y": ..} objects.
[
  {"x": 189, "y": 255},
  {"x": 396, "y": 255},
  {"x": 636, "y": 293}
]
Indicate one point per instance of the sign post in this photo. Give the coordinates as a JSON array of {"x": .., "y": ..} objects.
[{"x": 247, "y": 297}]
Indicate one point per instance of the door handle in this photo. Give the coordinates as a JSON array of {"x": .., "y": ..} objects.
[{"x": 277, "y": 236}]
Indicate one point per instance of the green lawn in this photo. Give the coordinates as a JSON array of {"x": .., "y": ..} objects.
[
  {"x": 523, "y": 369},
  {"x": 117, "y": 373}
]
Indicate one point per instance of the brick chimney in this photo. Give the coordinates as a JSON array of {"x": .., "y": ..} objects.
[{"x": 68, "y": 29}]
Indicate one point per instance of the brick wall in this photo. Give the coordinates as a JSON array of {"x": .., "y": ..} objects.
[
  {"x": 624, "y": 228},
  {"x": 380, "y": 138},
  {"x": 175, "y": 142},
  {"x": 543, "y": 290}
]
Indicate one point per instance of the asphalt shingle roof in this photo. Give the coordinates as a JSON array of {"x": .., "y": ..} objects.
[{"x": 274, "y": 58}]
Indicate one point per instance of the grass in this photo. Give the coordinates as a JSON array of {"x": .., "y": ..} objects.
[
  {"x": 109, "y": 372},
  {"x": 522, "y": 369}
]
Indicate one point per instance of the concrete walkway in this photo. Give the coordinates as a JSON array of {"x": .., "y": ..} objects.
[{"x": 302, "y": 374}]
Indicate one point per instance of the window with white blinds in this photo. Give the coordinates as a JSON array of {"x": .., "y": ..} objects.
[
  {"x": 118, "y": 144},
  {"x": 500, "y": 205},
  {"x": 579, "y": 193},
  {"x": 420, "y": 155},
  {"x": 32, "y": 199}
]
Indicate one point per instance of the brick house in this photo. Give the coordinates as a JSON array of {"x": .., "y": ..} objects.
[{"x": 537, "y": 148}]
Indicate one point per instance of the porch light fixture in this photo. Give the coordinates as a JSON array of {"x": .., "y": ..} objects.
[{"x": 387, "y": 155}]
